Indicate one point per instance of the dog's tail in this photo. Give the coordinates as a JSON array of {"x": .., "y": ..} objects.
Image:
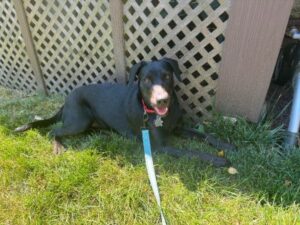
[{"x": 41, "y": 123}]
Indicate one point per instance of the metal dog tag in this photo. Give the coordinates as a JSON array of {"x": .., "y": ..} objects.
[{"x": 158, "y": 121}]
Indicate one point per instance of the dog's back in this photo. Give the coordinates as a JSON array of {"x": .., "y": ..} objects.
[{"x": 106, "y": 104}]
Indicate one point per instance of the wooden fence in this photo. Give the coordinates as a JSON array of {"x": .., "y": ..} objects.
[{"x": 55, "y": 46}]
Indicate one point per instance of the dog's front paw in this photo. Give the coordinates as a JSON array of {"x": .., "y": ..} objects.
[
  {"x": 214, "y": 160},
  {"x": 220, "y": 161},
  {"x": 228, "y": 146}
]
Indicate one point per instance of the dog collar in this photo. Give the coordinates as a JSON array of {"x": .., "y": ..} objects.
[{"x": 146, "y": 109}]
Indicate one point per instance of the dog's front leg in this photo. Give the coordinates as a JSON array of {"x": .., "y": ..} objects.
[{"x": 215, "y": 142}]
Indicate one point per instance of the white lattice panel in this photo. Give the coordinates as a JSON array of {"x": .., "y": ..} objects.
[
  {"x": 191, "y": 32},
  {"x": 73, "y": 42},
  {"x": 15, "y": 70}
]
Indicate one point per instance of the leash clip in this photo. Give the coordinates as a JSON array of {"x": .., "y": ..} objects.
[{"x": 145, "y": 119}]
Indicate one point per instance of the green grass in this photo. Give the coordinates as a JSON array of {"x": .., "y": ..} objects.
[{"x": 102, "y": 179}]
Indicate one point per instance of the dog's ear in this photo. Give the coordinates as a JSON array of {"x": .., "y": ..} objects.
[
  {"x": 134, "y": 71},
  {"x": 174, "y": 64}
]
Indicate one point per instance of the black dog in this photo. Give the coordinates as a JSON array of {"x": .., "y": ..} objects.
[{"x": 150, "y": 102}]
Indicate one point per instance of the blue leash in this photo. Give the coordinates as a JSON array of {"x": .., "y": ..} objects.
[{"x": 151, "y": 171}]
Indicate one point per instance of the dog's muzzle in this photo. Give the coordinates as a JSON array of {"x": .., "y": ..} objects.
[{"x": 160, "y": 100}]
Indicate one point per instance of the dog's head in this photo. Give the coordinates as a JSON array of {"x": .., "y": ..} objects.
[{"x": 155, "y": 80}]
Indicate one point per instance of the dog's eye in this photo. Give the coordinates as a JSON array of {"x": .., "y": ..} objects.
[
  {"x": 147, "y": 80},
  {"x": 167, "y": 77}
]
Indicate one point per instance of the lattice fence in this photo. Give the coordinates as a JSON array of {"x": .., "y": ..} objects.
[
  {"x": 189, "y": 31},
  {"x": 15, "y": 70},
  {"x": 75, "y": 43}
]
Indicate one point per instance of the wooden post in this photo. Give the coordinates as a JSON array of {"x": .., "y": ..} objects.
[
  {"x": 253, "y": 38},
  {"x": 24, "y": 26},
  {"x": 116, "y": 14}
]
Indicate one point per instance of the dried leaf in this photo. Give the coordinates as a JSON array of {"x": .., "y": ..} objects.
[
  {"x": 221, "y": 153},
  {"x": 232, "y": 171},
  {"x": 233, "y": 120}
]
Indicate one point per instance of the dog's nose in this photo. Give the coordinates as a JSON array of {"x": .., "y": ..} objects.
[{"x": 162, "y": 102}]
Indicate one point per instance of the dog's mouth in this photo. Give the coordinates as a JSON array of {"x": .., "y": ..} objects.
[{"x": 161, "y": 110}]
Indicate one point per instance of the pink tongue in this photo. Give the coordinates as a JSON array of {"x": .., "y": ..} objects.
[{"x": 161, "y": 111}]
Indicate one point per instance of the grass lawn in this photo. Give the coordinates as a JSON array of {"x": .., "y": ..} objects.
[{"x": 102, "y": 179}]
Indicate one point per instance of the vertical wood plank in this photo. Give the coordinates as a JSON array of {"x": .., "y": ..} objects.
[
  {"x": 116, "y": 14},
  {"x": 24, "y": 27},
  {"x": 253, "y": 37}
]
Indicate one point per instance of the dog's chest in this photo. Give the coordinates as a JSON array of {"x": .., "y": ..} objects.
[{"x": 167, "y": 123}]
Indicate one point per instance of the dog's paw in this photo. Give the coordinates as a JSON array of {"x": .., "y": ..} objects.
[
  {"x": 214, "y": 160},
  {"x": 58, "y": 148},
  {"x": 229, "y": 147},
  {"x": 220, "y": 162}
]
